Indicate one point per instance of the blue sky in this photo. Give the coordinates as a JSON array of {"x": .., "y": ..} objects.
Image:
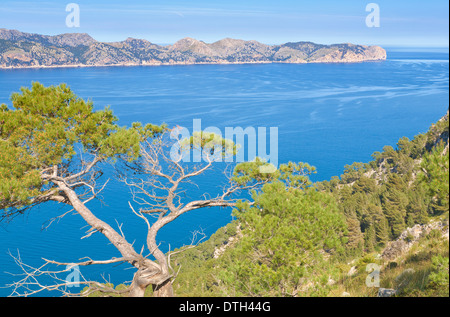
[{"x": 402, "y": 23}]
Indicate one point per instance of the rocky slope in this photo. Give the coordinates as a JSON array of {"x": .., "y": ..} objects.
[
  {"x": 410, "y": 236},
  {"x": 18, "y": 49}
]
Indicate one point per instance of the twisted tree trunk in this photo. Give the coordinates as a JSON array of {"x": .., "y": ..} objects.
[
  {"x": 161, "y": 283},
  {"x": 149, "y": 273}
]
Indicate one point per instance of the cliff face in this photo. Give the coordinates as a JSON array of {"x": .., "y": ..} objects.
[{"x": 18, "y": 49}]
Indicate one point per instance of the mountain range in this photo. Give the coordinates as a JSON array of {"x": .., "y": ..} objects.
[{"x": 19, "y": 49}]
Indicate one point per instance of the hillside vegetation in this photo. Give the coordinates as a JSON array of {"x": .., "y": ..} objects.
[
  {"x": 380, "y": 229},
  {"x": 318, "y": 241}
]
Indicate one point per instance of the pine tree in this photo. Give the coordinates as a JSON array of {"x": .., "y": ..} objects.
[
  {"x": 355, "y": 236},
  {"x": 380, "y": 224},
  {"x": 417, "y": 209},
  {"x": 284, "y": 233},
  {"x": 38, "y": 138},
  {"x": 435, "y": 176},
  {"x": 394, "y": 204},
  {"x": 370, "y": 238}
]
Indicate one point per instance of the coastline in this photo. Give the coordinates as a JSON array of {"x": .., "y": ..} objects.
[
  {"x": 189, "y": 63},
  {"x": 27, "y": 51}
]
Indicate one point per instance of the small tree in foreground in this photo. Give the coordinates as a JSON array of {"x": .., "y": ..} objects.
[
  {"x": 40, "y": 163},
  {"x": 286, "y": 235}
]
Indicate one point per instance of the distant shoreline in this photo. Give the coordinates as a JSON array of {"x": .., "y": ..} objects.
[
  {"x": 28, "y": 50},
  {"x": 184, "y": 64}
]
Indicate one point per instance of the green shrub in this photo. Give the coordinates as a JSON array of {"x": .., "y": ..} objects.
[
  {"x": 439, "y": 276},
  {"x": 434, "y": 234}
]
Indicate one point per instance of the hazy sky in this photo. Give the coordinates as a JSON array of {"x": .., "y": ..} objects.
[{"x": 402, "y": 22}]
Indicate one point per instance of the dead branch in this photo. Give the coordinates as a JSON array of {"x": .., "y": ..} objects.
[{"x": 30, "y": 282}]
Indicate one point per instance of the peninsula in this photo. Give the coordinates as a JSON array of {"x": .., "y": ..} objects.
[{"x": 23, "y": 50}]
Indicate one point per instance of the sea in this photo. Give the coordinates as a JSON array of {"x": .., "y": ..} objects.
[{"x": 328, "y": 115}]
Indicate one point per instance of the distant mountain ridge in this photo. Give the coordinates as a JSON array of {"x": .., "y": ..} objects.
[{"x": 19, "y": 49}]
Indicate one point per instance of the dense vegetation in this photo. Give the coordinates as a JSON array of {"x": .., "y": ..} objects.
[
  {"x": 317, "y": 239},
  {"x": 399, "y": 188},
  {"x": 303, "y": 242}
]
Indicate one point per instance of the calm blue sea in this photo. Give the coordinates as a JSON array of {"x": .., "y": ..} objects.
[{"x": 327, "y": 115}]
